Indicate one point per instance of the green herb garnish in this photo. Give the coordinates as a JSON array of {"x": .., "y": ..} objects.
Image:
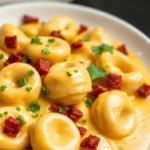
[
  {"x": 36, "y": 40},
  {"x": 68, "y": 74},
  {"x": 51, "y": 40},
  {"x": 1, "y": 56},
  {"x": 34, "y": 107},
  {"x": 75, "y": 71},
  {"x": 21, "y": 119},
  {"x": 18, "y": 108},
  {"x": 1, "y": 115},
  {"x": 88, "y": 102},
  {"x": 22, "y": 81},
  {"x": 60, "y": 110},
  {"x": 34, "y": 115},
  {"x": 45, "y": 51},
  {"x": 3, "y": 87},
  {"x": 25, "y": 59},
  {"x": 84, "y": 121},
  {"x": 30, "y": 72},
  {"x": 28, "y": 89},
  {"x": 45, "y": 91},
  {"x": 85, "y": 38},
  {"x": 6, "y": 113}
]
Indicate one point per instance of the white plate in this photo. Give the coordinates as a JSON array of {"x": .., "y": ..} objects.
[{"x": 115, "y": 27}]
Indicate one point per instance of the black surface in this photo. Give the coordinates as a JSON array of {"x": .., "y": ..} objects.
[{"x": 136, "y": 12}]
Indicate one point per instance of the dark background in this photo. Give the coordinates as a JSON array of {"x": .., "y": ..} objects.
[{"x": 136, "y": 12}]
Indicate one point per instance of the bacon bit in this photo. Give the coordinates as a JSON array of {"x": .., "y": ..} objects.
[
  {"x": 91, "y": 142},
  {"x": 144, "y": 90},
  {"x": 14, "y": 58},
  {"x": 55, "y": 108},
  {"x": 114, "y": 81},
  {"x": 82, "y": 130},
  {"x": 56, "y": 34},
  {"x": 82, "y": 28},
  {"x": 30, "y": 19},
  {"x": 42, "y": 66},
  {"x": 11, "y": 41},
  {"x": 77, "y": 44},
  {"x": 12, "y": 127},
  {"x": 98, "y": 89},
  {"x": 122, "y": 49},
  {"x": 74, "y": 114}
]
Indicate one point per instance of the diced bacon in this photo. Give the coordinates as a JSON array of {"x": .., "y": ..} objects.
[
  {"x": 12, "y": 127},
  {"x": 30, "y": 19},
  {"x": 144, "y": 90},
  {"x": 77, "y": 44},
  {"x": 42, "y": 66},
  {"x": 122, "y": 49},
  {"x": 98, "y": 89},
  {"x": 56, "y": 34},
  {"x": 74, "y": 114},
  {"x": 91, "y": 142},
  {"x": 82, "y": 130},
  {"x": 14, "y": 58},
  {"x": 82, "y": 28},
  {"x": 11, "y": 42},
  {"x": 55, "y": 108},
  {"x": 114, "y": 81}
]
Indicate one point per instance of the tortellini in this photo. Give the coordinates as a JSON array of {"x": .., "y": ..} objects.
[
  {"x": 54, "y": 132},
  {"x": 69, "y": 82},
  {"x": 12, "y": 30},
  {"x": 31, "y": 29},
  {"x": 114, "y": 114},
  {"x": 52, "y": 49},
  {"x": 3, "y": 58},
  {"x": 96, "y": 34},
  {"x": 132, "y": 77},
  {"x": 21, "y": 141},
  {"x": 65, "y": 25},
  {"x": 11, "y": 92}
]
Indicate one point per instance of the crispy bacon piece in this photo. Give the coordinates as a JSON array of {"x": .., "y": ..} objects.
[
  {"x": 56, "y": 34},
  {"x": 74, "y": 114},
  {"x": 144, "y": 90},
  {"x": 77, "y": 44},
  {"x": 42, "y": 66},
  {"x": 91, "y": 142},
  {"x": 30, "y": 19},
  {"x": 122, "y": 49},
  {"x": 82, "y": 130},
  {"x": 56, "y": 107},
  {"x": 11, "y": 42},
  {"x": 114, "y": 81},
  {"x": 82, "y": 28},
  {"x": 14, "y": 58},
  {"x": 98, "y": 89},
  {"x": 12, "y": 127}
]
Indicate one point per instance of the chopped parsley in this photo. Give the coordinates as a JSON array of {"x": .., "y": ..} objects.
[
  {"x": 34, "y": 115},
  {"x": 45, "y": 50},
  {"x": 45, "y": 91},
  {"x": 25, "y": 59},
  {"x": 96, "y": 72},
  {"x": 102, "y": 48},
  {"x": 75, "y": 71},
  {"x": 18, "y": 108},
  {"x": 51, "y": 40},
  {"x": 88, "y": 102},
  {"x": 60, "y": 110},
  {"x": 34, "y": 107},
  {"x": 30, "y": 72},
  {"x": 21, "y": 119},
  {"x": 28, "y": 89},
  {"x": 3, "y": 87},
  {"x": 1, "y": 115},
  {"x": 1, "y": 56},
  {"x": 85, "y": 38},
  {"x": 36, "y": 40},
  {"x": 22, "y": 81},
  {"x": 6, "y": 113},
  {"x": 81, "y": 62},
  {"x": 84, "y": 121},
  {"x": 68, "y": 74}
]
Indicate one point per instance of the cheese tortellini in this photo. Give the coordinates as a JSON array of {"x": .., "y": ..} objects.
[
  {"x": 118, "y": 63},
  {"x": 54, "y": 132},
  {"x": 21, "y": 141},
  {"x": 69, "y": 82},
  {"x": 113, "y": 113},
  {"x": 52, "y": 49},
  {"x": 65, "y": 25},
  {"x": 18, "y": 93},
  {"x": 10, "y": 31}
]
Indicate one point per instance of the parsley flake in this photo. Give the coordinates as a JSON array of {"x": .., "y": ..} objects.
[
  {"x": 51, "y": 40},
  {"x": 22, "y": 81},
  {"x": 60, "y": 110},
  {"x": 68, "y": 74},
  {"x": 28, "y": 89},
  {"x": 88, "y": 102},
  {"x": 96, "y": 72},
  {"x": 85, "y": 38},
  {"x": 84, "y": 121},
  {"x": 81, "y": 62},
  {"x": 25, "y": 59},
  {"x": 45, "y": 91},
  {"x": 21, "y": 119},
  {"x": 1, "y": 56},
  {"x": 45, "y": 50},
  {"x": 18, "y": 108},
  {"x": 3, "y": 87},
  {"x": 34, "y": 107},
  {"x": 34, "y": 115},
  {"x": 30, "y": 72},
  {"x": 6, "y": 113},
  {"x": 76, "y": 71},
  {"x": 36, "y": 40},
  {"x": 1, "y": 115},
  {"x": 102, "y": 48}
]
